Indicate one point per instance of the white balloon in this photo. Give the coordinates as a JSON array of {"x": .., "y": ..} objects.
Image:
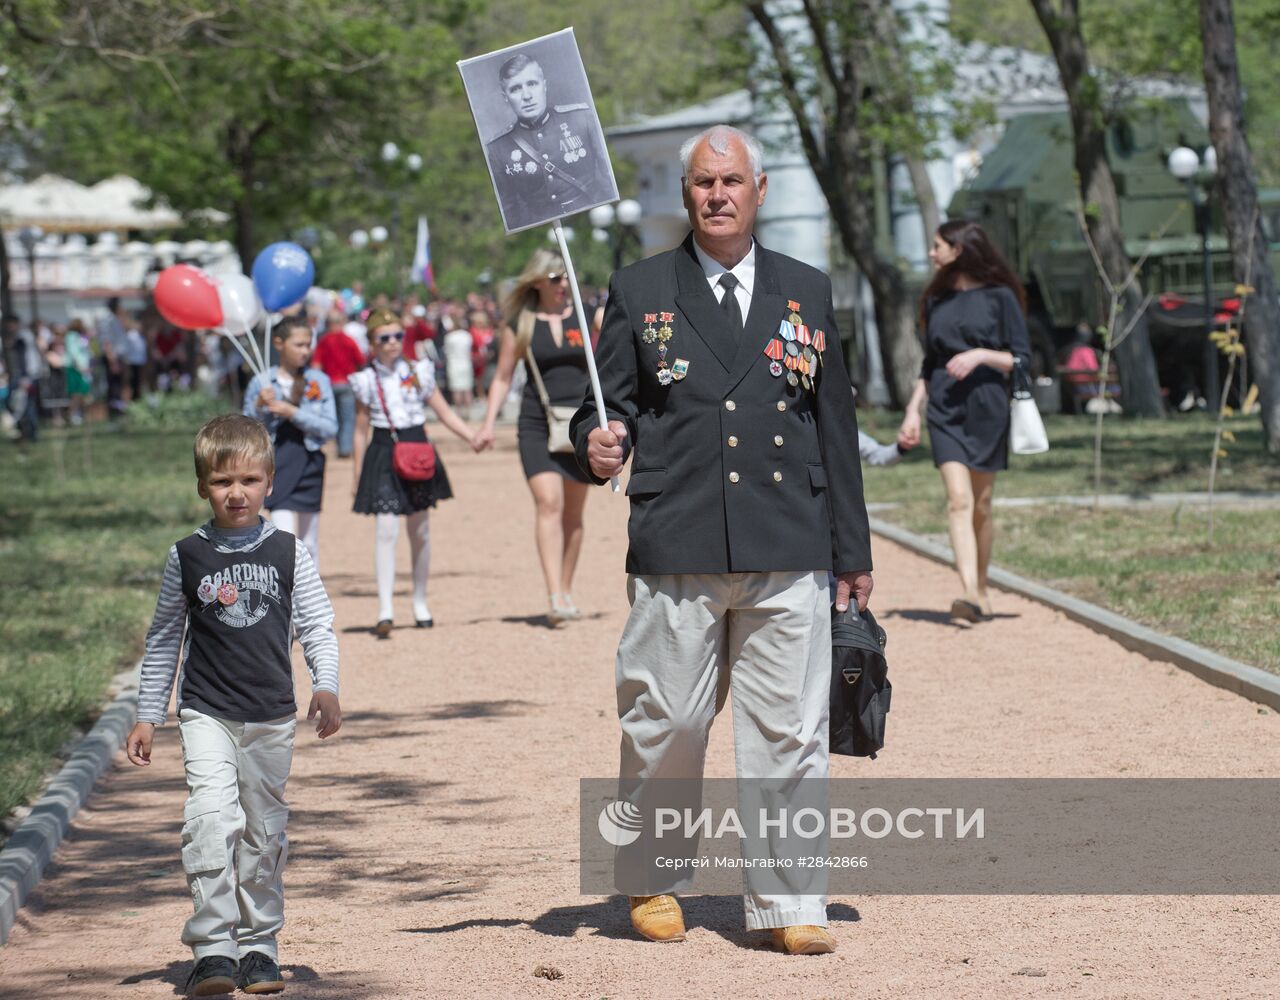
[{"x": 241, "y": 308}]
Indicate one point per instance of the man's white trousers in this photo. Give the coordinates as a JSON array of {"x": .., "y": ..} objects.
[{"x": 693, "y": 640}]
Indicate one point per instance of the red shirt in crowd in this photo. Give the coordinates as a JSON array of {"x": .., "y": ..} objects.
[
  {"x": 338, "y": 356},
  {"x": 417, "y": 331},
  {"x": 168, "y": 342}
]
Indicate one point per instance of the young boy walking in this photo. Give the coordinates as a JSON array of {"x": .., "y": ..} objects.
[{"x": 240, "y": 591}]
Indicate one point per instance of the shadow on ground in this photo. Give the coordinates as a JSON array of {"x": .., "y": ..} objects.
[
  {"x": 333, "y": 984},
  {"x": 722, "y": 915}
]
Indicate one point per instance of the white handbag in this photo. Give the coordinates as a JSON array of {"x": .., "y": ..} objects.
[
  {"x": 1026, "y": 428},
  {"x": 558, "y": 417}
]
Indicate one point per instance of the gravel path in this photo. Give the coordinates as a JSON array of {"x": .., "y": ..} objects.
[{"x": 434, "y": 841}]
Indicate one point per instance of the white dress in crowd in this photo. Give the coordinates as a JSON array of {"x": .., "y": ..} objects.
[{"x": 457, "y": 360}]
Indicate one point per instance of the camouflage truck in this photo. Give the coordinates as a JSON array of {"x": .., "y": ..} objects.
[{"x": 1025, "y": 197}]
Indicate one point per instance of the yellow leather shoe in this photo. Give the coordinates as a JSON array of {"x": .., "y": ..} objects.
[
  {"x": 803, "y": 939},
  {"x": 657, "y": 918}
]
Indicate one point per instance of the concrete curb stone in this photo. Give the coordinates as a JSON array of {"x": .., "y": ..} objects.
[{"x": 32, "y": 845}]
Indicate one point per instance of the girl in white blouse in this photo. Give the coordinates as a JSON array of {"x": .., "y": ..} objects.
[{"x": 407, "y": 389}]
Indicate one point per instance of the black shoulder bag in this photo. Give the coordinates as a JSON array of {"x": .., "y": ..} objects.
[{"x": 860, "y": 688}]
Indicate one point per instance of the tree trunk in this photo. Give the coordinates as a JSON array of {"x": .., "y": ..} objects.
[
  {"x": 1139, "y": 383},
  {"x": 242, "y": 221},
  {"x": 1239, "y": 194},
  {"x": 241, "y": 156},
  {"x": 6, "y": 306},
  {"x": 900, "y": 347},
  {"x": 922, "y": 187}
]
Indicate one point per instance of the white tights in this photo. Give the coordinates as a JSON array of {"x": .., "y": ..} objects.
[
  {"x": 303, "y": 524},
  {"x": 387, "y": 528}
]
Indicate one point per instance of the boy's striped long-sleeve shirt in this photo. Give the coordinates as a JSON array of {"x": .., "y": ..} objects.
[{"x": 240, "y": 668}]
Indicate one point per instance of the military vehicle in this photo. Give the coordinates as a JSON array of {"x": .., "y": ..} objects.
[{"x": 1025, "y": 197}]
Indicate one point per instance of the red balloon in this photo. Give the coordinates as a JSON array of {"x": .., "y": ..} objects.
[{"x": 188, "y": 298}]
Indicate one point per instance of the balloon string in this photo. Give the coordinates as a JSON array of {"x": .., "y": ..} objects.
[
  {"x": 261, "y": 366},
  {"x": 266, "y": 342},
  {"x": 243, "y": 353}
]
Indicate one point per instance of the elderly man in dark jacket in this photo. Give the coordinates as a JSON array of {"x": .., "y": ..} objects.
[{"x": 725, "y": 386}]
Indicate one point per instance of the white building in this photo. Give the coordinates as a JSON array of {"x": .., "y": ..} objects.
[{"x": 82, "y": 253}]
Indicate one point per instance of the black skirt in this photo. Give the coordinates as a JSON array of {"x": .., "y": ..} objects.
[
  {"x": 381, "y": 491},
  {"x": 531, "y": 439},
  {"x": 298, "y": 483}
]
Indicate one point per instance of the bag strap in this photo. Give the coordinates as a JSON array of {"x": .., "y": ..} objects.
[
  {"x": 537, "y": 381},
  {"x": 382, "y": 398}
]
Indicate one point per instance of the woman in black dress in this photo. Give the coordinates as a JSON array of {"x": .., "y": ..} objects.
[
  {"x": 540, "y": 323},
  {"x": 975, "y": 332}
]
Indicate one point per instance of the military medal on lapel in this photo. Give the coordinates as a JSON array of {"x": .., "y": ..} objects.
[
  {"x": 802, "y": 348},
  {"x": 650, "y": 333},
  {"x": 571, "y": 145},
  {"x": 774, "y": 351},
  {"x": 661, "y": 336}
]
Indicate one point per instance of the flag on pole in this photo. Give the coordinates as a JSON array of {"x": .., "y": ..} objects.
[{"x": 422, "y": 257}]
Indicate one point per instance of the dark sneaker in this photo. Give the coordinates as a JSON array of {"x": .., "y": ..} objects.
[
  {"x": 260, "y": 974},
  {"x": 213, "y": 975}
]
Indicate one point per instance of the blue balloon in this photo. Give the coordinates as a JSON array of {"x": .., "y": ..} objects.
[{"x": 282, "y": 274}]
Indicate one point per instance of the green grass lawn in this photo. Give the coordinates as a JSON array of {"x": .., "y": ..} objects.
[
  {"x": 1152, "y": 565},
  {"x": 81, "y": 555}
]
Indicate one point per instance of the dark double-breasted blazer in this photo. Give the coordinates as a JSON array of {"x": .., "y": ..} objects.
[{"x": 732, "y": 469}]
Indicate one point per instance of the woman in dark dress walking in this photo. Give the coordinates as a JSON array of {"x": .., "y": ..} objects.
[
  {"x": 541, "y": 326},
  {"x": 975, "y": 332}
]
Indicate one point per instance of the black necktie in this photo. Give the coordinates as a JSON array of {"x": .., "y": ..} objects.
[{"x": 729, "y": 302}]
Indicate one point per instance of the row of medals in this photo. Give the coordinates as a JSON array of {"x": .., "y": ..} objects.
[
  {"x": 660, "y": 335},
  {"x": 796, "y": 350}
]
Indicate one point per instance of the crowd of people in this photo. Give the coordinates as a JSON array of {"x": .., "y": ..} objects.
[{"x": 98, "y": 362}]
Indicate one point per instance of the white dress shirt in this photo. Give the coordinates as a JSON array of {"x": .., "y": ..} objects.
[
  {"x": 744, "y": 271},
  {"x": 408, "y": 407}
]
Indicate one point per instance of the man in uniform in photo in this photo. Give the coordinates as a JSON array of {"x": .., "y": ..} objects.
[
  {"x": 550, "y": 163},
  {"x": 724, "y": 383}
]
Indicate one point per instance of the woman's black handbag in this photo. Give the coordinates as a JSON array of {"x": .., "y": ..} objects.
[{"x": 860, "y": 688}]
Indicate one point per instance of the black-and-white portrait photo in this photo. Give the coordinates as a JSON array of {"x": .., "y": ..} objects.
[{"x": 538, "y": 124}]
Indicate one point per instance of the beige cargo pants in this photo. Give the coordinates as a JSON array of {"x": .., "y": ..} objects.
[{"x": 234, "y": 846}]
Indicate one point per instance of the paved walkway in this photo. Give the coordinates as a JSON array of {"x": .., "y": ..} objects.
[{"x": 434, "y": 841}]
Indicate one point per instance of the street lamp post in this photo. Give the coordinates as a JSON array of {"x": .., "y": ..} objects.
[
  {"x": 30, "y": 237},
  {"x": 1198, "y": 172},
  {"x": 618, "y": 226}
]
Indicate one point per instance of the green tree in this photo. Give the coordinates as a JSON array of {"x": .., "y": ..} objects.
[
  {"x": 261, "y": 110},
  {"x": 860, "y": 88}
]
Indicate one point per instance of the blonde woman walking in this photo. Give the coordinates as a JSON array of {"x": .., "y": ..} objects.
[{"x": 540, "y": 327}]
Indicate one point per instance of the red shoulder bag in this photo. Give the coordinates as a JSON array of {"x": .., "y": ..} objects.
[{"x": 414, "y": 461}]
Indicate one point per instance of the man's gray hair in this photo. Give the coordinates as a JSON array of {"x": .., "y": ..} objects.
[{"x": 718, "y": 138}]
